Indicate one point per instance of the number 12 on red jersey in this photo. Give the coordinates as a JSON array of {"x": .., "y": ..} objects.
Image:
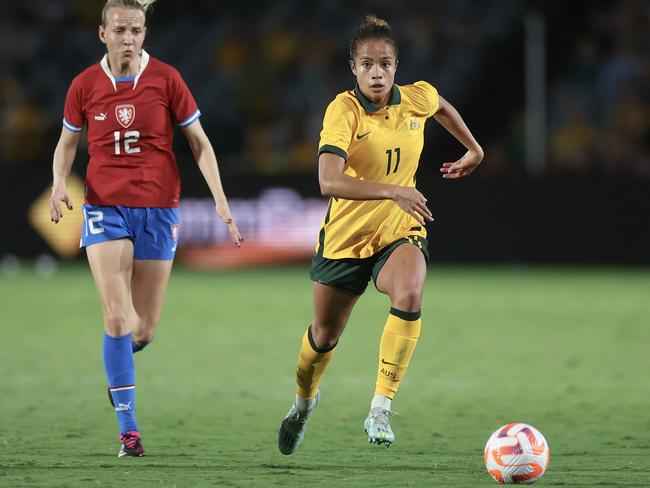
[{"x": 130, "y": 138}]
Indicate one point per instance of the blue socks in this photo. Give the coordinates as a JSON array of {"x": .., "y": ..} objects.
[{"x": 120, "y": 373}]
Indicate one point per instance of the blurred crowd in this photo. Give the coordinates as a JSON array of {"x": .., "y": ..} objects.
[
  {"x": 600, "y": 105},
  {"x": 264, "y": 73}
]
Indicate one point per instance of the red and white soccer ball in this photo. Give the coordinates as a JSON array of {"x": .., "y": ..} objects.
[{"x": 516, "y": 454}]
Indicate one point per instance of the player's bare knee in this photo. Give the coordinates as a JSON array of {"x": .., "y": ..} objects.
[
  {"x": 325, "y": 337},
  {"x": 143, "y": 337},
  {"x": 116, "y": 324},
  {"x": 408, "y": 299}
]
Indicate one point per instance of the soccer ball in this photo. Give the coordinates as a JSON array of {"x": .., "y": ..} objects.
[{"x": 516, "y": 453}]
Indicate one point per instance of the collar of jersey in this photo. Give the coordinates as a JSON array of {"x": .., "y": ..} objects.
[
  {"x": 369, "y": 107},
  {"x": 144, "y": 61}
]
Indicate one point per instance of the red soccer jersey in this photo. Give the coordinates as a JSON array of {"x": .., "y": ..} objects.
[{"x": 130, "y": 132}]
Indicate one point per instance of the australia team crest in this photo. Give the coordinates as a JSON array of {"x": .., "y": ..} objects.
[{"x": 125, "y": 114}]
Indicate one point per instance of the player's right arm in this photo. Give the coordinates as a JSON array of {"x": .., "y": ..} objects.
[
  {"x": 335, "y": 183},
  {"x": 63, "y": 158}
]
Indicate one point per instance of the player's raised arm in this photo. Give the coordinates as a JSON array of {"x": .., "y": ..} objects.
[
  {"x": 207, "y": 162},
  {"x": 63, "y": 158},
  {"x": 335, "y": 183},
  {"x": 450, "y": 119}
]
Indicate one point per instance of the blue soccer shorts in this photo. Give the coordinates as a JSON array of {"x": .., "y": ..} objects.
[{"x": 153, "y": 231}]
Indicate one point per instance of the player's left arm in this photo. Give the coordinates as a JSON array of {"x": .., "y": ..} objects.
[
  {"x": 207, "y": 162},
  {"x": 450, "y": 119}
]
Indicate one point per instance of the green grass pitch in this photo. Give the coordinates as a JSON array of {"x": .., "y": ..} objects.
[{"x": 564, "y": 349}]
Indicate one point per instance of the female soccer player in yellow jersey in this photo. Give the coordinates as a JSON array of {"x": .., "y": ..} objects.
[{"x": 370, "y": 145}]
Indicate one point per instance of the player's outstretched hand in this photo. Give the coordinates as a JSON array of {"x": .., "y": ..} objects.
[
  {"x": 224, "y": 213},
  {"x": 413, "y": 203},
  {"x": 234, "y": 232},
  {"x": 463, "y": 167},
  {"x": 58, "y": 195}
]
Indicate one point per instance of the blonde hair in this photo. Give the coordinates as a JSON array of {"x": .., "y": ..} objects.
[
  {"x": 372, "y": 27},
  {"x": 142, "y": 5}
]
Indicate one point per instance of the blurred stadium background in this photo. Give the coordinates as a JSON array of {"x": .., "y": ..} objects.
[{"x": 556, "y": 92}]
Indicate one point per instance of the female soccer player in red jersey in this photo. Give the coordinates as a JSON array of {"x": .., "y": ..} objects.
[
  {"x": 130, "y": 103},
  {"x": 369, "y": 151}
]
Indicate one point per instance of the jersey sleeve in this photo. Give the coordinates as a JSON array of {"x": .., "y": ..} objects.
[
  {"x": 426, "y": 98},
  {"x": 338, "y": 127},
  {"x": 183, "y": 106},
  {"x": 73, "y": 113}
]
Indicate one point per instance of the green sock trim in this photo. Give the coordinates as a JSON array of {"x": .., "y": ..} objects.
[
  {"x": 319, "y": 350},
  {"x": 409, "y": 316}
]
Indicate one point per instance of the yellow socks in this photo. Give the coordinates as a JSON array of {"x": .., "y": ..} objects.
[
  {"x": 398, "y": 341},
  {"x": 312, "y": 362}
]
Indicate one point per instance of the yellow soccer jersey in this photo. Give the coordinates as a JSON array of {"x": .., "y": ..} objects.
[{"x": 379, "y": 145}]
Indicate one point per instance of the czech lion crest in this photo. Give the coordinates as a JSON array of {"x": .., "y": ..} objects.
[{"x": 125, "y": 114}]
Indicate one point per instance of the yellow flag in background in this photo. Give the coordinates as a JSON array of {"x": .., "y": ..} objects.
[{"x": 63, "y": 237}]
